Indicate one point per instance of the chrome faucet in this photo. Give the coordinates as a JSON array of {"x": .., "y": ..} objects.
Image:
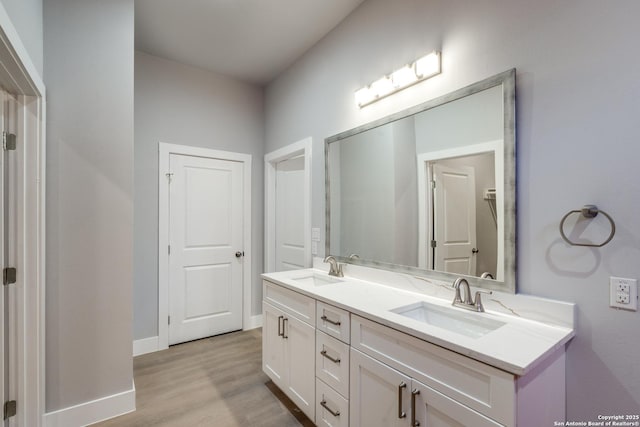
[
  {"x": 487, "y": 275},
  {"x": 467, "y": 303},
  {"x": 335, "y": 268}
]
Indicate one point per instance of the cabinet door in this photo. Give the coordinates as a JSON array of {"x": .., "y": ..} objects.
[
  {"x": 434, "y": 409},
  {"x": 379, "y": 395},
  {"x": 300, "y": 339},
  {"x": 273, "y": 345}
]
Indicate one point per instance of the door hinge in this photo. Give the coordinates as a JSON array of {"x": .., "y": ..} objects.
[
  {"x": 169, "y": 249},
  {"x": 169, "y": 175},
  {"x": 8, "y": 141},
  {"x": 168, "y": 320},
  {"x": 433, "y": 184},
  {"x": 434, "y": 243},
  {"x": 9, "y": 275},
  {"x": 10, "y": 409}
]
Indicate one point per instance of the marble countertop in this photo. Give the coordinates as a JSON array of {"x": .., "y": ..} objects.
[{"x": 516, "y": 347}]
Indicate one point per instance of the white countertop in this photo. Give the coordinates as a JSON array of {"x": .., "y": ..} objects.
[{"x": 517, "y": 347}]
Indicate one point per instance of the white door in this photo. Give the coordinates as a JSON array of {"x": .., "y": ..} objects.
[
  {"x": 289, "y": 233},
  {"x": 379, "y": 395},
  {"x": 9, "y": 199},
  {"x": 3, "y": 255},
  {"x": 205, "y": 253},
  {"x": 454, "y": 215}
]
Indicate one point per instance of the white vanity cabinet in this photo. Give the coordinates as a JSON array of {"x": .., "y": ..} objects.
[
  {"x": 383, "y": 396},
  {"x": 288, "y": 349},
  {"x": 450, "y": 389},
  {"x": 342, "y": 369}
]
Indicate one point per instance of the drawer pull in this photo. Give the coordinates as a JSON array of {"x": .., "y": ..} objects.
[
  {"x": 280, "y": 333},
  {"x": 324, "y": 353},
  {"x": 333, "y": 322},
  {"x": 401, "y": 413},
  {"x": 323, "y": 403},
  {"x": 414, "y": 422},
  {"x": 283, "y": 328}
]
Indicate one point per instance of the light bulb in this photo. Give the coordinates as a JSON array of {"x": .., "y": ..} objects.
[{"x": 428, "y": 66}]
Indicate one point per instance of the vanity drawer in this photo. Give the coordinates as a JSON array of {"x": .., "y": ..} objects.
[
  {"x": 481, "y": 387},
  {"x": 333, "y": 320},
  {"x": 298, "y": 305},
  {"x": 332, "y": 362},
  {"x": 332, "y": 410}
]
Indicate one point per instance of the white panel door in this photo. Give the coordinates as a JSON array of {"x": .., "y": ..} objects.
[
  {"x": 289, "y": 233},
  {"x": 206, "y": 254},
  {"x": 379, "y": 395},
  {"x": 455, "y": 219}
]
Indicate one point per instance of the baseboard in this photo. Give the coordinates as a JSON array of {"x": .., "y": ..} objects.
[
  {"x": 93, "y": 411},
  {"x": 254, "y": 322},
  {"x": 145, "y": 345}
]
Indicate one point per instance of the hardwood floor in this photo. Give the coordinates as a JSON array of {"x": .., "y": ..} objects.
[{"x": 215, "y": 381}]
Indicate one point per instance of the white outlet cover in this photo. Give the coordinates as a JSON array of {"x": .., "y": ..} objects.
[
  {"x": 618, "y": 287},
  {"x": 315, "y": 234}
]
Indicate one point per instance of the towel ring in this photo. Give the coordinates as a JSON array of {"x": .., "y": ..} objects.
[{"x": 588, "y": 211}]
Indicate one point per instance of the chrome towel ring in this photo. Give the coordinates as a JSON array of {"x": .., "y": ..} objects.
[{"x": 588, "y": 211}]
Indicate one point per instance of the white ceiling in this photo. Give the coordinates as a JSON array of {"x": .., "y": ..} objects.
[{"x": 252, "y": 40}]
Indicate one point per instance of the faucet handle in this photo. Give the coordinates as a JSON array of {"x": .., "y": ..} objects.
[{"x": 478, "y": 300}]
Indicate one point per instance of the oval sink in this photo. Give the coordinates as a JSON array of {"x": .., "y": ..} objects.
[
  {"x": 473, "y": 325},
  {"x": 316, "y": 279}
]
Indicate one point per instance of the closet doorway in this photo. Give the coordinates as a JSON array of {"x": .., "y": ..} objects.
[{"x": 288, "y": 207}]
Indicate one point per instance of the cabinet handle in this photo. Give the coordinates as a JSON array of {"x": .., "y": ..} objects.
[
  {"x": 280, "y": 334},
  {"x": 414, "y": 422},
  {"x": 323, "y": 403},
  {"x": 324, "y": 353},
  {"x": 284, "y": 328},
  {"x": 401, "y": 413},
  {"x": 333, "y": 322}
]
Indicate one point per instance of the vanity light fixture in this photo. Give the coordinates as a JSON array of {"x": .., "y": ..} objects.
[{"x": 421, "y": 69}]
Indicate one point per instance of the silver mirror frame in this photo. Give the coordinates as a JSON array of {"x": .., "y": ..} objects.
[{"x": 507, "y": 80}]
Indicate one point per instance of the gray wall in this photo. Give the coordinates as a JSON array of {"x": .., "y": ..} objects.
[
  {"x": 577, "y": 133},
  {"x": 185, "y": 105},
  {"x": 89, "y": 79},
  {"x": 26, "y": 16}
]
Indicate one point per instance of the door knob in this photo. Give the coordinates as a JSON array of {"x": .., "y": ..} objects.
[
  {"x": 239, "y": 254},
  {"x": 475, "y": 250}
]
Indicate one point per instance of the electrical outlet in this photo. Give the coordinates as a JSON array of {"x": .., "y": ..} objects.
[
  {"x": 623, "y": 287},
  {"x": 314, "y": 248},
  {"x": 623, "y": 293},
  {"x": 622, "y": 298}
]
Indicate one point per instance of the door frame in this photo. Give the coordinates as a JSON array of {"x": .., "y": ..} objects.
[
  {"x": 425, "y": 204},
  {"x": 19, "y": 76},
  {"x": 271, "y": 160},
  {"x": 165, "y": 151}
]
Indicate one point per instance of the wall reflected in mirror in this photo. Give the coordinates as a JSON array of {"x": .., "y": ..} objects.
[{"x": 425, "y": 190}]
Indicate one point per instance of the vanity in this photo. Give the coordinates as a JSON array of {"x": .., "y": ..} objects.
[
  {"x": 416, "y": 202},
  {"x": 360, "y": 353},
  {"x": 353, "y": 352}
]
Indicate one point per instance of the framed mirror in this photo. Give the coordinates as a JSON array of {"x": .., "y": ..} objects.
[{"x": 430, "y": 190}]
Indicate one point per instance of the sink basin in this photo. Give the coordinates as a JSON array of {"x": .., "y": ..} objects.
[
  {"x": 316, "y": 279},
  {"x": 472, "y": 325}
]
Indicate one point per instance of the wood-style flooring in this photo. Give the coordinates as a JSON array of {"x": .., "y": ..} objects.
[{"x": 215, "y": 381}]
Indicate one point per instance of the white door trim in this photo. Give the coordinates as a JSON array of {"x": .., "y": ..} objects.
[
  {"x": 424, "y": 202},
  {"x": 303, "y": 147},
  {"x": 19, "y": 76},
  {"x": 165, "y": 150}
]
